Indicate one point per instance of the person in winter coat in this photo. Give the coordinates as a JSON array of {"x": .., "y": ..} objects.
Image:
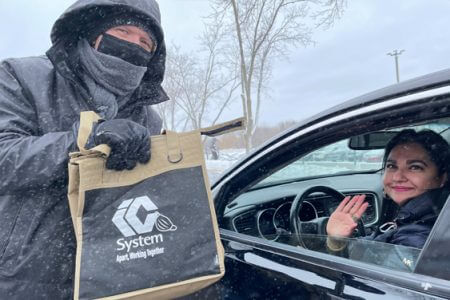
[
  {"x": 108, "y": 57},
  {"x": 415, "y": 178}
]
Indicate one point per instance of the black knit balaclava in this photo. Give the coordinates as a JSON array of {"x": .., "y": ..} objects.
[{"x": 117, "y": 47}]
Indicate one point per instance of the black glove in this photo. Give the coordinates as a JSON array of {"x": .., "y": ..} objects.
[{"x": 129, "y": 142}]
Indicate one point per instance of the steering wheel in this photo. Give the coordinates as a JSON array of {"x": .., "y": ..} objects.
[{"x": 318, "y": 225}]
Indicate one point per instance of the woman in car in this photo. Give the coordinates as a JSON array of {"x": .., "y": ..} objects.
[{"x": 415, "y": 176}]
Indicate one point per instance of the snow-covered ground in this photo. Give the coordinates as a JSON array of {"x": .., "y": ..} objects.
[{"x": 227, "y": 158}]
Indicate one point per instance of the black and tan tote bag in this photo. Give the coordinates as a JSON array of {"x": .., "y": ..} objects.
[{"x": 146, "y": 233}]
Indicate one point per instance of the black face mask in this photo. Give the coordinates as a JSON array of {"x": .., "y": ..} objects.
[{"x": 130, "y": 52}]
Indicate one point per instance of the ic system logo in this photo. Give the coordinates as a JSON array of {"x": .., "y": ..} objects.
[{"x": 127, "y": 221}]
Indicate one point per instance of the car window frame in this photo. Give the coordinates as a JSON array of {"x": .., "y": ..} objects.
[{"x": 416, "y": 109}]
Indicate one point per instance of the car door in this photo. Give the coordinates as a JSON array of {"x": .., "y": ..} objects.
[{"x": 259, "y": 267}]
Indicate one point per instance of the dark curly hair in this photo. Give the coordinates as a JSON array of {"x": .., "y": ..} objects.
[{"x": 434, "y": 144}]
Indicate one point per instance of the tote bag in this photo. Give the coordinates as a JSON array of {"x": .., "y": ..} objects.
[{"x": 146, "y": 233}]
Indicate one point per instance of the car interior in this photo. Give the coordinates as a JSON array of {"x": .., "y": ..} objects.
[{"x": 292, "y": 203}]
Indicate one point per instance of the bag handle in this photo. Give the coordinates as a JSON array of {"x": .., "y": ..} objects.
[
  {"x": 223, "y": 128},
  {"x": 87, "y": 120},
  {"x": 174, "y": 153}
]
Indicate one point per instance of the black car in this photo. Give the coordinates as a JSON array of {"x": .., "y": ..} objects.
[{"x": 267, "y": 258}]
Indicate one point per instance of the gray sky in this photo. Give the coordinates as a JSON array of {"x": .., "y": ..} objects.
[{"x": 348, "y": 60}]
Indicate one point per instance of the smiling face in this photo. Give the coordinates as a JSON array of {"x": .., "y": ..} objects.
[{"x": 410, "y": 172}]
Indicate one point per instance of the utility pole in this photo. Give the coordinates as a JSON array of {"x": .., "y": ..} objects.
[{"x": 396, "y": 54}]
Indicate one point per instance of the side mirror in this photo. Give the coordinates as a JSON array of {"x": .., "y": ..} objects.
[{"x": 371, "y": 141}]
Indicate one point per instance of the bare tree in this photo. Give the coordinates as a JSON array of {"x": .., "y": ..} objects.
[
  {"x": 200, "y": 86},
  {"x": 263, "y": 31},
  {"x": 173, "y": 118}
]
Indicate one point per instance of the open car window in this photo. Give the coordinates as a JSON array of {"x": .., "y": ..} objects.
[
  {"x": 264, "y": 210},
  {"x": 339, "y": 158},
  {"x": 395, "y": 257}
]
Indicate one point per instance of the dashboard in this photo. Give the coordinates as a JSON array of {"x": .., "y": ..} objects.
[{"x": 265, "y": 212}]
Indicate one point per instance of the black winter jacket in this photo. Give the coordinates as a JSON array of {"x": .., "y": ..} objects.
[
  {"x": 414, "y": 221},
  {"x": 40, "y": 100}
]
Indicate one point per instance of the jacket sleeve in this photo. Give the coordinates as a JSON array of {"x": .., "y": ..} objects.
[{"x": 29, "y": 159}]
